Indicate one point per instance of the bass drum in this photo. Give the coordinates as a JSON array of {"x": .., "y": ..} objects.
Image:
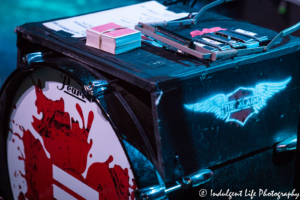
[{"x": 61, "y": 142}]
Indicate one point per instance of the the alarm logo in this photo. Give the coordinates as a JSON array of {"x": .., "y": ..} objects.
[
  {"x": 241, "y": 104},
  {"x": 60, "y": 147}
]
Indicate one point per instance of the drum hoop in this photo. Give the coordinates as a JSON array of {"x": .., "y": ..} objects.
[{"x": 79, "y": 78}]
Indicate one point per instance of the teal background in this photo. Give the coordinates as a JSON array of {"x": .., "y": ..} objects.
[{"x": 18, "y": 12}]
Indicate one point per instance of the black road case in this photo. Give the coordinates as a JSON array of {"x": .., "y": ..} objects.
[{"x": 171, "y": 120}]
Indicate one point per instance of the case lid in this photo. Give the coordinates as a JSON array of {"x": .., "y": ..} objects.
[{"x": 149, "y": 65}]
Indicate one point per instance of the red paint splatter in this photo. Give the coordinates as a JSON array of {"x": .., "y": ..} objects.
[
  {"x": 13, "y": 121},
  {"x": 21, "y": 196},
  {"x": 10, "y": 130},
  {"x": 68, "y": 147},
  {"x": 111, "y": 183},
  {"x": 21, "y": 128},
  {"x": 38, "y": 169},
  {"x": 109, "y": 160},
  {"x": 16, "y": 134},
  {"x": 13, "y": 140},
  {"x": 134, "y": 187},
  {"x": 20, "y": 187},
  {"x": 91, "y": 155},
  {"x": 66, "y": 143}
]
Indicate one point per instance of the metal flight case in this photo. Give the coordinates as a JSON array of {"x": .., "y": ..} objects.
[{"x": 149, "y": 123}]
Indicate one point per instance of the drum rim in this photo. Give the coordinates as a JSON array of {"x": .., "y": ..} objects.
[{"x": 48, "y": 63}]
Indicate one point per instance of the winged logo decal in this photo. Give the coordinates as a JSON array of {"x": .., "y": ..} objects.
[{"x": 241, "y": 104}]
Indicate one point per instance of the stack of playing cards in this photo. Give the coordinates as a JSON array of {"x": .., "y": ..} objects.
[{"x": 113, "y": 38}]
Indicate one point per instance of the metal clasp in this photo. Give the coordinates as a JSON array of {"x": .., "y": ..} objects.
[
  {"x": 96, "y": 87},
  {"x": 287, "y": 145},
  {"x": 159, "y": 192},
  {"x": 30, "y": 58},
  {"x": 152, "y": 193},
  {"x": 199, "y": 177}
]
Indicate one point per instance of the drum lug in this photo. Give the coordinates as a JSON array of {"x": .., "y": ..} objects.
[
  {"x": 193, "y": 180},
  {"x": 29, "y": 59},
  {"x": 96, "y": 88},
  {"x": 287, "y": 145},
  {"x": 151, "y": 193},
  {"x": 198, "y": 178},
  {"x": 159, "y": 192}
]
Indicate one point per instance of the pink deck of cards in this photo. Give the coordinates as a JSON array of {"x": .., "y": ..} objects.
[{"x": 113, "y": 38}]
